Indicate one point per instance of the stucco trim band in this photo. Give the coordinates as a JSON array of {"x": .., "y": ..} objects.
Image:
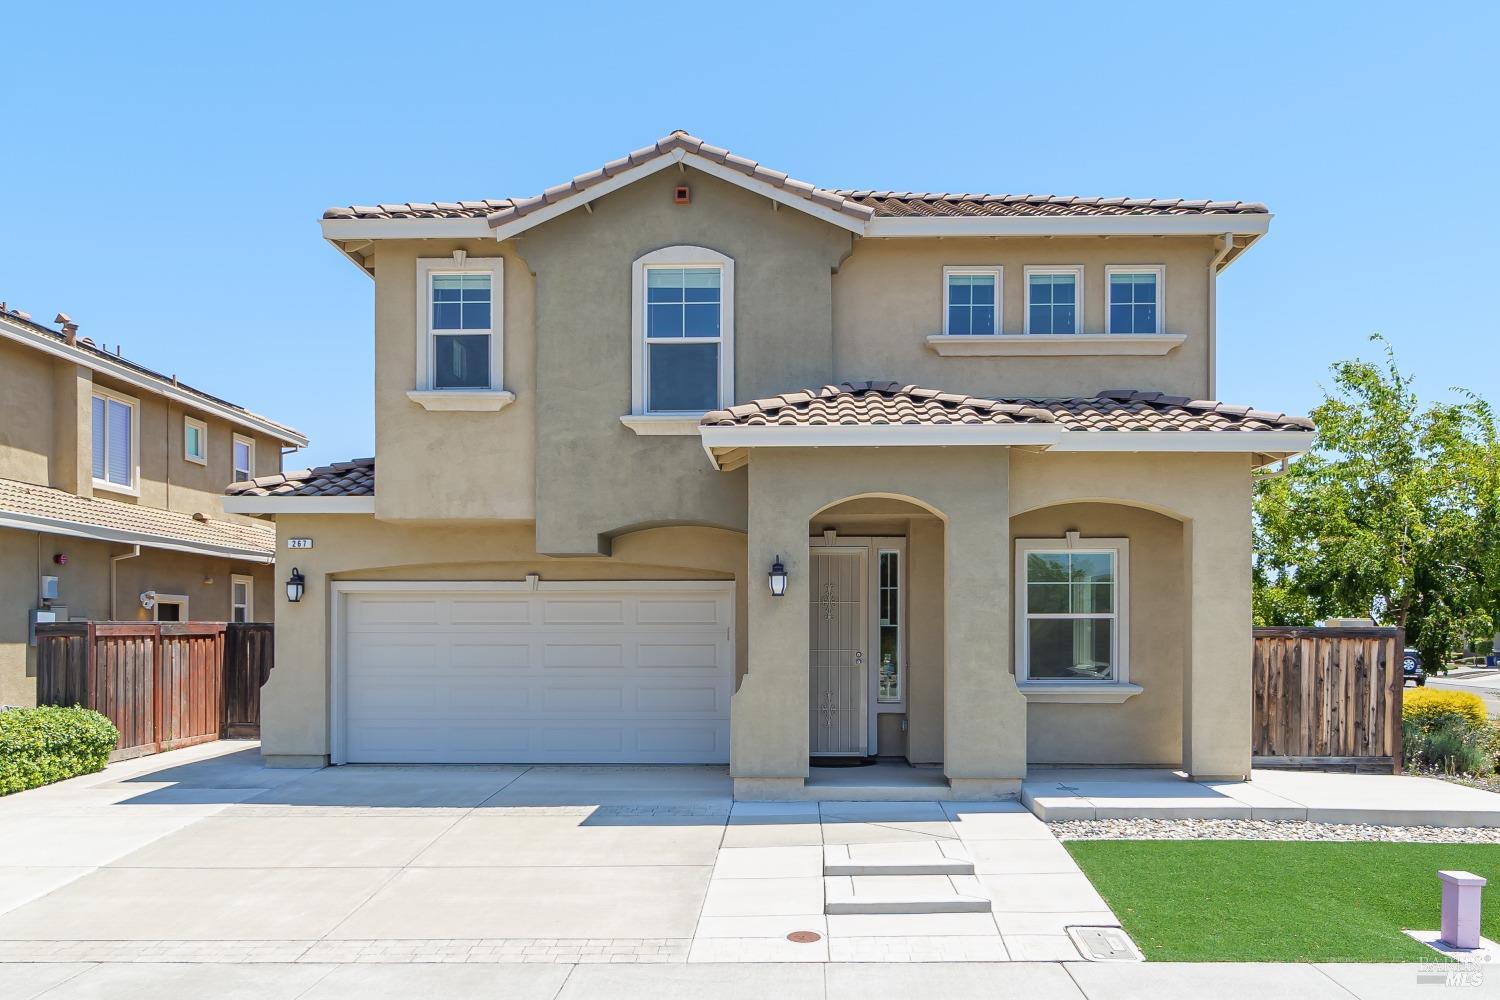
[
  {"x": 299, "y": 505},
  {"x": 1059, "y": 345},
  {"x": 1040, "y": 692}
]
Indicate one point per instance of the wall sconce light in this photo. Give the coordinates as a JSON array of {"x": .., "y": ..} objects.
[
  {"x": 295, "y": 585},
  {"x": 778, "y": 578}
]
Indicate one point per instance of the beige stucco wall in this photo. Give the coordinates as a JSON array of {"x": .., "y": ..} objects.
[
  {"x": 46, "y": 437},
  {"x": 1146, "y": 729},
  {"x": 294, "y": 702},
  {"x": 83, "y": 587},
  {"x": 888, "y": 298},
  {"x": 485, "y": 460},
  {"x": 594, "y": 476}
]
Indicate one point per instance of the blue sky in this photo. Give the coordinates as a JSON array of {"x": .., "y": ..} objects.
[{"x": 167, "y": 164}]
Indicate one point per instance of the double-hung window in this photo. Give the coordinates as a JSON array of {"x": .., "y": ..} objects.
[
  {"x": 244, "y": 458},
  {"x": 1072, "y": 610},
  {"x": 971, "y": 301},
  {"x": 1135, "y": 299},
  {"x": 116, "y": 437},
  {"x": 241, "y": 598},
  {"x": 1054, "y": 302},
  {"x": 684, "y": 327},
  {"x": 460, "y": 310}
]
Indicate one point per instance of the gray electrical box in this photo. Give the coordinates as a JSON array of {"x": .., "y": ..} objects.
[
  {"x": 49, "y": 588},
  {"x": 39, "y": 616}
]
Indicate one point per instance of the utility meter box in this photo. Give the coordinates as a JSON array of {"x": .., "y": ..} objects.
[{"x": 49, "y": 588}]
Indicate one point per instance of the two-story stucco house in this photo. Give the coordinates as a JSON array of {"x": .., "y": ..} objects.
[
  {"x": 111, "y": 495},
  {"x": 685, "y": 460}
]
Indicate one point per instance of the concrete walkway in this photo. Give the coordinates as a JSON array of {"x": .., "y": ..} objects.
[
  {"x": 1017, "y": 981},
  {"x": 1159, "y": 793}
]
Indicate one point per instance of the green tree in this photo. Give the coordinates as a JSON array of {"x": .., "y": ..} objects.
[{"x": 1393, "y": 515}]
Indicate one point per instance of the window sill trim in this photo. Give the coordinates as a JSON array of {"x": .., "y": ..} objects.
[
  {"x": 108, "y": 487},
  {"x": 195, "y": 461},
  {"x": 1055, "y": 345},
  {"x": 473, "y": 400},
  {"x": 654, "y": 424},
  {"x": 1083, "y": 693}
]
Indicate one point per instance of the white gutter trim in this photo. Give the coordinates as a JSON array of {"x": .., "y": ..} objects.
[
  {"x": 78, "y": 529},
  {"x": 1050, "y": 436},
  {"x": 159, "y": 386},
  {"x": 299, "y": 505},
  {"x": 1072, "y": 225},
  {"x": 404, "y": 229},
  {"x": 1255, "y": 442}
]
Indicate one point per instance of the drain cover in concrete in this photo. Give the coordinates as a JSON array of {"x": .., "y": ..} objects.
[
  {"x": 804, "y": 937},
  {"x": 1105, "y": 944}
]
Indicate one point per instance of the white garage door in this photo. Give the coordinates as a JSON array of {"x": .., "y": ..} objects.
[{"x": 637, "y": 672}]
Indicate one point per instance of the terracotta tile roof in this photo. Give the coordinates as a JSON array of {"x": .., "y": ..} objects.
[
  {"x": 858, "y": 204},
  {"x": 341, "y": 479},
  {"x": 113, "y": 516},
  {"x": 870, "y": 402}
]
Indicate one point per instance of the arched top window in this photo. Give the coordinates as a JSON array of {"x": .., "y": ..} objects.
[{"x": 683, "y": 330}]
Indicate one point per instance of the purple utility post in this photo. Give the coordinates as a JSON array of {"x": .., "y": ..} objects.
[{"x": 1461, "y": 909}]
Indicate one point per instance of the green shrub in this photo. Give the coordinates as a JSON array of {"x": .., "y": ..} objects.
[
  {"x": 41, "y": 745},
  {"x": 1450, "y": 746}
]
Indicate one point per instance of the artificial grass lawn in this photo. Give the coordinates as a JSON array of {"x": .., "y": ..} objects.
[{"x": 1281, "y": 901}]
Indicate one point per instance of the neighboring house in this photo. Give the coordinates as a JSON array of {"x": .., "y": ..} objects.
[
  {"x": 606, "y": 414},
  {"x": 111, "y": 489}
]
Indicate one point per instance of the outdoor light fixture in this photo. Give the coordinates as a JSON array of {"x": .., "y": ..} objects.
[
  {"x": 295, "y": 585},
  {"x": 778, "y": 578}
]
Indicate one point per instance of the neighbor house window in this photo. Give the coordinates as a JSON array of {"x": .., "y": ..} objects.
[
  {"x": 195, "y": 440},
  {"x": 888, "y": 583},
  {"x": 1072, "y": 610},
  {"x": 115, "y": 441},
  {"x": 241, "y": 598},
  {"x": 244, "y": 458},
  {"x": 1135, "y": 299},
  {"x": 684, "y": 324},
  {"x": 971, "y": 301},
  {"x": 1053, "y": 303},
  {"x": 461, "y": 305}
]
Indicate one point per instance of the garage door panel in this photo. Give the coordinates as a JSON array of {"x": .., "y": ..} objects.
[{"x": 629, "y": 673}]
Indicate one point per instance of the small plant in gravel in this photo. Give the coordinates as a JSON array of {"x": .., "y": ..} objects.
[{"x": 41, "y": 745}]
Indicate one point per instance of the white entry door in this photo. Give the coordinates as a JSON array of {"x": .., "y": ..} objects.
[
  {"x": 600, "y": 672},
  {"x": 838, "y": 651}
]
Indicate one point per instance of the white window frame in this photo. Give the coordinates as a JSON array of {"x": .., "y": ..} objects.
[
  {"x": 427, "y": 268},
  {"x": 235, "y": 580},
  {"x": 896, "y": 547},
  {"x": 180, "y": 599},
  {"x": 1074, "y": 542},
  {"x": 1076, "y": 270},
  {"x": 680, "y": 256},
  {"x": 998, "y": 273},
  {"x": 233, "y": 470},
  {"x": 1160, "y": 271},
  {"x": 202, "y": 428},
  {"x": 134, "y": 487}
]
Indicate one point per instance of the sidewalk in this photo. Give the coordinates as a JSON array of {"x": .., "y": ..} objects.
[{"x": 1016, "y": 981}]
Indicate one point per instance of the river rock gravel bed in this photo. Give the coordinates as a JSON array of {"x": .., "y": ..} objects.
[{"x": 1260, "y": 829}]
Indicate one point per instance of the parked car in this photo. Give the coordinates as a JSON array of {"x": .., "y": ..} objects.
[{"x": 1411, "y": 667}]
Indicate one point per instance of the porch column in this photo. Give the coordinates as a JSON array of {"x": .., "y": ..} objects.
[
  {"x": 1217, "y": 689},
  {"x": 984, "y": 714},
  {"x": 768, "y": 714}
]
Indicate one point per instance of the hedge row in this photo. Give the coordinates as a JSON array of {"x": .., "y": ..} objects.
[{"x": 41, "y": 745}]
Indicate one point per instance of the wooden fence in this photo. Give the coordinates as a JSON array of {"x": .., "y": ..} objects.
[
  {"x": 1328, "y": 697},
  {"x": 163, "y": 685}
]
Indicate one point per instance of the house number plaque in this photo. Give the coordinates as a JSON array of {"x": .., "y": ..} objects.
[{"x": 299, "y": 543}]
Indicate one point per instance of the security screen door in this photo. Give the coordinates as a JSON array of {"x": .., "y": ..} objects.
[{"x": 839, "y": 631}]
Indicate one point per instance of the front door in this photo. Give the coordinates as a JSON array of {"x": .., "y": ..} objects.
[{"x": 837, "y": 646}]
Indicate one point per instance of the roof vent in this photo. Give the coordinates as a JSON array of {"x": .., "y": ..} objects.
[
  {"x": 69, "y": 328},
  {"x": 86, "y": 342}
]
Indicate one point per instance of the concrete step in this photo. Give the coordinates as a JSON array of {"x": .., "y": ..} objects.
[
  {"x": 924, "y": 857},
  {"x": 903, "y": 894}
]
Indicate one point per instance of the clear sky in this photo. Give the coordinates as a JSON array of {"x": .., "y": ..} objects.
[{"x": 165, "y": 166}]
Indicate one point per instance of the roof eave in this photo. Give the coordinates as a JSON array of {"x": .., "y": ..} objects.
[
  {"x": 1207, "y": 224},
  {"x": 82, "y": 529},
  {"x": 299, "y": 505}
]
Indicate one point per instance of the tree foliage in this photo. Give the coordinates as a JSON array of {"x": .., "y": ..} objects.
[{"x": 1393, "y": 515}]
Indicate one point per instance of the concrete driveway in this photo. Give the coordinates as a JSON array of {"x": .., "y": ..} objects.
[{"x": 205, "y": 855}]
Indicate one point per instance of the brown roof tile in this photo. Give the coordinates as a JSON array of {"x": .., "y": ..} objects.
[
  {"x": 877, "y": 402},
  {"x": 341, "y": 479},
  {"x": 254, "y": 538},
  {"x": 860, "y": 204}
]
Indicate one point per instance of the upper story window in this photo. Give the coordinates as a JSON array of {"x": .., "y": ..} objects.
[
  {"x": 1072, "y": 609},
  {"x": 460, "y": 323},
  {"x": 971, "y": 301},
  {"x": 195, "y": 440},
  {"x": 116, "y": 441},
  {"x": 1053, "y": 303},
  {"x": 1135, "y": 299},
  {"x": 683, "y": 329},
  {"x": 244, "y": 458}
]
